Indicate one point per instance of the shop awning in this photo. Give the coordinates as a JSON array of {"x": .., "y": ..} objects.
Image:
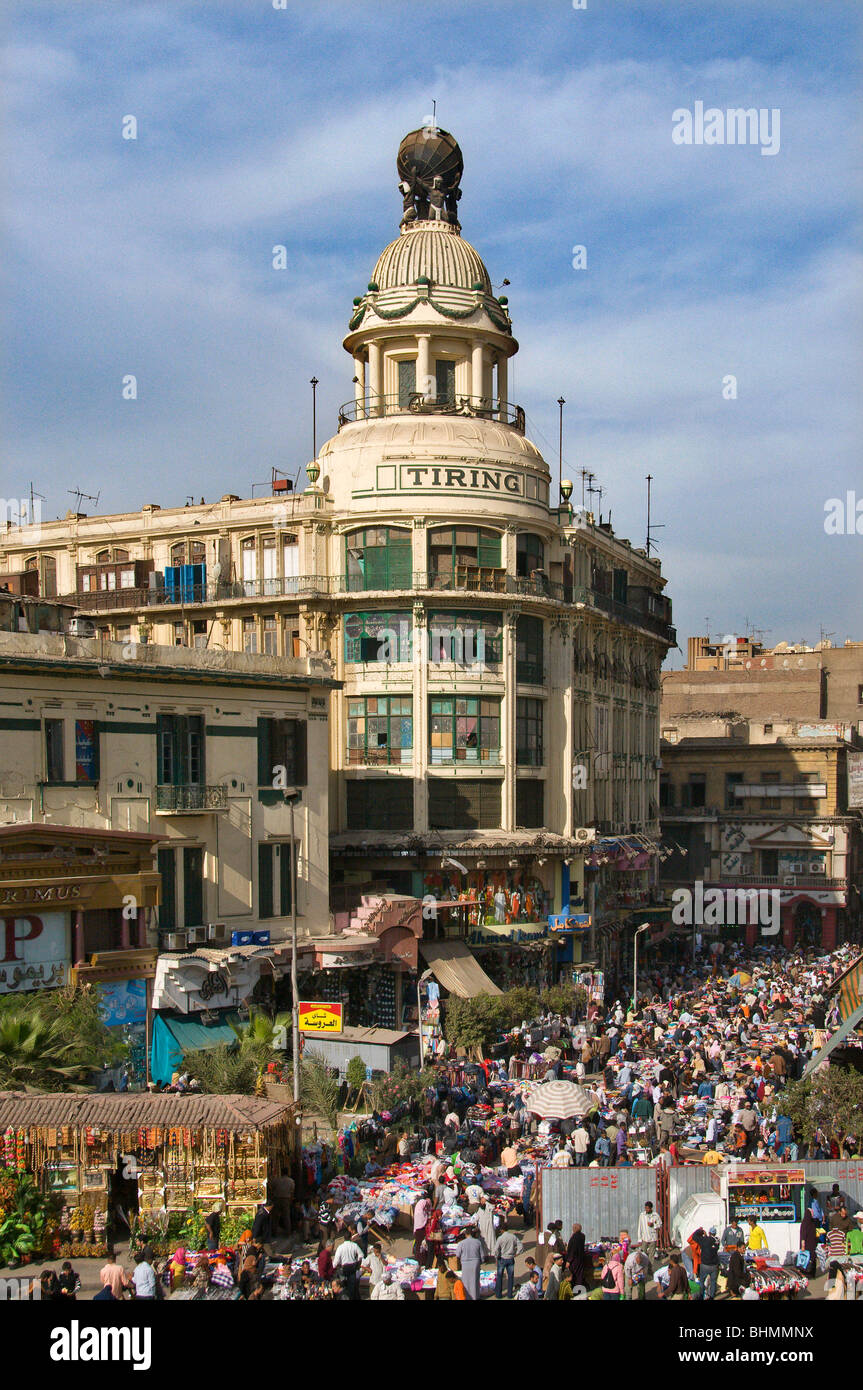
[
  {"x": 457, "y": 969},
  {"x": 174, "y": 1037}
]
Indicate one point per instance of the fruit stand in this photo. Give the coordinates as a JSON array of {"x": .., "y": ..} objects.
[{"x": 173, "y": 1157}]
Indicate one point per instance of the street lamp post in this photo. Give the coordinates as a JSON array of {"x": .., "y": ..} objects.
[
  {"x": 421, "y": 979},
  {"x": 292, "y": 799},
  {"x": 644, "y": 927}
]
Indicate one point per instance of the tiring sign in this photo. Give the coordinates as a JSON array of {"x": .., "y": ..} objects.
[{"x": 320, "y": 1018}]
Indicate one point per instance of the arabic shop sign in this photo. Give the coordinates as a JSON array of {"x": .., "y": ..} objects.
[
  {"x": 36, "y": 952},
  {"x": 320, "y": 1018}
]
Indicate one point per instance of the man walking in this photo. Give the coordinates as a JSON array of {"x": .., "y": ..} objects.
[
  {"x": 507, "y": 1246},
  {"x": 708, "y": 1271},
  {"x": 649, "y": 1231}
]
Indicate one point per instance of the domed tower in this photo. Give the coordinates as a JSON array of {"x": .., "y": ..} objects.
[{"x": 457, "y": 594}]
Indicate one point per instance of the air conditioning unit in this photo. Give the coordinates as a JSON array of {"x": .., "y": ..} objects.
[
  {"x": 584, "y": 835},
  {"x": 797, "y": 868},
  {"x": 817, "y": 867},
  {"x": 177, "y": 941},
  {"x": 81, "y": 627},
  {"x": 217, "y": 931},
  {"x": 789, "y": 879},
  {"x": 197, "y": 936}
]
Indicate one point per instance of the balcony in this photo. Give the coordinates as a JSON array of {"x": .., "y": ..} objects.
[
  {"x": 379, "y": 757},
  {"x": 627, "y": 613},
  {"x": 473, "y": 407},
  {"x": 778, "y": 881},
  {"x": 190, "y": 799},
  {"x": 111, "y": 600},
  {"x": 687, "y": 812},
  {"x": 465, "y": 757}
]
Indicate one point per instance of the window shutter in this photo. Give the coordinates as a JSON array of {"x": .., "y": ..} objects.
[
  {"x": 168, "y": 872},
  {"x": 488, "y": 551},
  {"x": 163, "y": 749},
  {"x": 265, "y": 767},
  {"x": 301, "y": 775},
  {"x": 265, "y": 880},
  {"x": 284, "y": 853}
]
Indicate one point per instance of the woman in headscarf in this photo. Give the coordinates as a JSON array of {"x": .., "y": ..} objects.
[
  {"x": 808, "y": 1240},
  {"x": 470, "y": 1255},
  {"x": 178, "y": 1268},
  {"x": 611, "y": 1277},
  {"x": 575, "y": 1254}
]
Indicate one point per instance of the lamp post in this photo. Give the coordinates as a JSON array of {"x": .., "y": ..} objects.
[
  {"x": 644, "y": 927},
  {"x": 293, "y": 799},
  {"x": 426, "y": 975}
]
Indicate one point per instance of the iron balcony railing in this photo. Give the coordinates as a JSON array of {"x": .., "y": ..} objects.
[
  {"x": 776, "y": 881},
  {"x": 461, "y": 578},
  {"x": 190, "y": 798},
  {"x": 477, "y": 407}
]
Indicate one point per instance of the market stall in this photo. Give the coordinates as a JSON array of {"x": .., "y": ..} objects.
[{"x": 160, "y": 1159}]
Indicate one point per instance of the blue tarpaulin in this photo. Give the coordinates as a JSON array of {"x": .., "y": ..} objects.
[{"x": 173, "y": 1037}]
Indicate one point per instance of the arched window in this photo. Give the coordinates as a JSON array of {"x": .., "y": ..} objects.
[
  {"x": 103, "y": 557},
  {"x": 119, "y": 554},
  {"x": 378, "y": 557},
  {"x": 249, "y": 561},
  {"x": 178, "y": 553}
]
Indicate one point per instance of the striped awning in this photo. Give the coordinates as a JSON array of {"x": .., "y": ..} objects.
[{"x": 850, "y": 990}]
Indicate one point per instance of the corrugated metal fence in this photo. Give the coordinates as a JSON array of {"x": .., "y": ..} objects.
[
  {"x": 604, "y": 1200},
  {"x": 608, "y": 1200}
]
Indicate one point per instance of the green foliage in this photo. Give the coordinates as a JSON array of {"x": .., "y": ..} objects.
[
  {"x": 226, "y": 1070},
  {"x": 24, "y": 1220},
  {"x": 831, "y": 1100},
  {"x": 565, "y": 999},
  {"x": 402, "y": 1085},
  {"x": 235, "y": 1068},
  {"x": 480, "y": 1021},
  {"x": 476, "y": 1022},
  {"x": 53, "y": 1041},
  {"x": 356, "y": 1073},
  {"x": 319, "y": 1092}
]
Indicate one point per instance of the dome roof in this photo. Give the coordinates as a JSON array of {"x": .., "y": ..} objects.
[{"x": 435, "y": 250}]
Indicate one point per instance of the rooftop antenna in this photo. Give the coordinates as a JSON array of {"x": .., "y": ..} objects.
[
  {"x": 83, "y": 497},
  {"x": 33, "y": 495},
  {"x": 561, "y": 403},
  {"x": 825, "y": 635},
  {"x": 584, "y": 474},
  {"x": 590, "y": 490},
  {"x": 658, "y": 526},
  {"x": 707, "y": 625}
]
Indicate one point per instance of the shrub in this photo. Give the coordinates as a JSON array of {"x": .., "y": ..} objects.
[{"x": 356, "y": 1073}]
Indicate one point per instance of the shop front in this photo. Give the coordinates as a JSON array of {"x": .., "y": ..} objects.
[
  {"x": 67, "y": 893},
  {"x": 125, "y": 983}
]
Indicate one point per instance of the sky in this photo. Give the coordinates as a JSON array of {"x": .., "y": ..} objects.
[{"x": 712, "y": 339}]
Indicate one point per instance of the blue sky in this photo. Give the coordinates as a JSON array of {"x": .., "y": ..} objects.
[{"x": 259, "y": 126}]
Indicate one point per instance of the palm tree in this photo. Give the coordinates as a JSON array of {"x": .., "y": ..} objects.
[
  {"x": 37, "y": 1056},
  {"x": 319, "y": 1091}
]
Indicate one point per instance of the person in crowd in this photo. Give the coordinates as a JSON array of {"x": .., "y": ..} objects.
[
  {"x": 470, "y": 1257},
  {"x": 144, "y": 1275}
]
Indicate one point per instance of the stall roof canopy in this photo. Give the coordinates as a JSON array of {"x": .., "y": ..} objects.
[
  {"x": 174, "y": 1037},
  {"x": 457, "y": 969},
  {"x": 529, "y": 842},
  {"x": 378, "y": 1037},
  {"x": 135, "y": 1110}
]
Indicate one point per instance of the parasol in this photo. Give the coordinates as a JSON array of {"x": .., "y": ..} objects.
[
  {"x": 559, "y": 1100},
  {"x": 741, "y": 978}
]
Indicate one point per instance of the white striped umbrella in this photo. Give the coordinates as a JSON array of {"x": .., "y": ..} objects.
[{"x": 559, "y": 1100}]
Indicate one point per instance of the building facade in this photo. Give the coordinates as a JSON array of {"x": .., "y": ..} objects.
[
  {"x": 495, "y": 729},
  {"x": 752, "y": 805},
  {"x": 190, "y": 752}
]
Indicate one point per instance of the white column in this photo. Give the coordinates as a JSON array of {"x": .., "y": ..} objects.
[
  {"x": 508, "y": 709},
  {"x": 424, "y": 364},
  {"x": 375, "y": 380},
  {"x": 360, "y": 385},
  {"x": 421, "y": 720},
  {"x": 476, "y": 375},
  {"x": 502, "y": 364}
]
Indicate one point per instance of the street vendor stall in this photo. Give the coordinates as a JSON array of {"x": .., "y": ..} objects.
[{"x": 158, "y": 1158}]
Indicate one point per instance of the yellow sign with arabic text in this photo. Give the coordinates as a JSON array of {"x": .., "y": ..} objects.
[{"x": 320, "y": 1018}]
